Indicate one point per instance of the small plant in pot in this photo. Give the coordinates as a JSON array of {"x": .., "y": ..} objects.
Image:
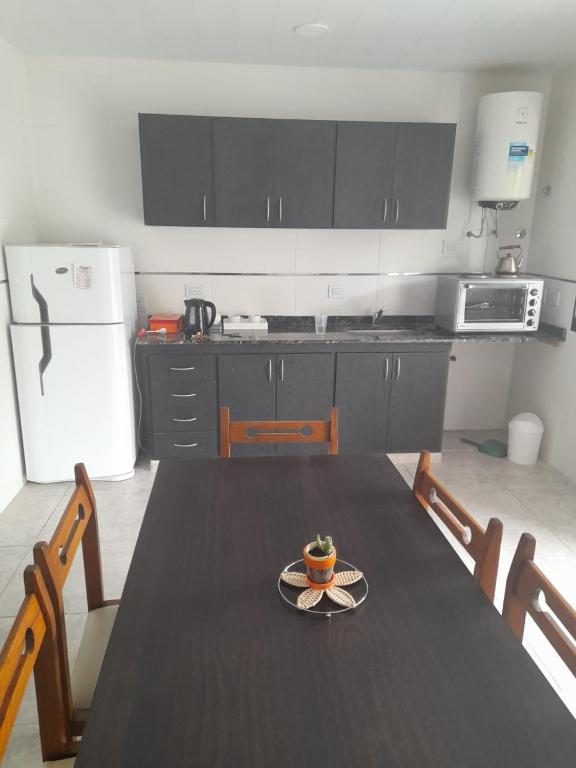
[{"x": 320, "y": 558}]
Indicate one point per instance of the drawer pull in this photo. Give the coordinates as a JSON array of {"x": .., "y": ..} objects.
[
  {"x": 190, "y": 394},
  {"x": 184, "y": 445},
  {"x": 194, "y": 418},
  {"x": 192, "y": 368}
]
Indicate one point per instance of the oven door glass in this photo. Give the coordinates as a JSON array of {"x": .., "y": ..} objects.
[{"x": 491, "y": 304}]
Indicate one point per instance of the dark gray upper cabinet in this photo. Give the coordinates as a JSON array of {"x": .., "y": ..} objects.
[
  {"x": 364, "y": 175},
  {"x": 304, "y": 173},
  {"x": 304, "y": 390},
  {"x": 247, "y": 385},
  {"x": 244, "y": 171},
  {"x": 417, "y": 399},
  {"x": 422, "y": 175},
  {"x": 177, "y": 175},
  {"x": 362, "y": 396}
]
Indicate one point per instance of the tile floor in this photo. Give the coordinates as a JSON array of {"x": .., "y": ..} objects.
[{"x": 536, "y": 499}]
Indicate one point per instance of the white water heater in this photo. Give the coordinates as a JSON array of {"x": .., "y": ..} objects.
[{"x": 505, "y": 148}]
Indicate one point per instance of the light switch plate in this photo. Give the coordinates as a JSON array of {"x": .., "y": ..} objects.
[
  {"x": 140, "y": 303},
  {"x": 336, "y": 292},
  {"x": 192, "y": 291}
]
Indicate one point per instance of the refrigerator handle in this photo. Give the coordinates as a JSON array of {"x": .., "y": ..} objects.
[{"x": 44, "y": 333}]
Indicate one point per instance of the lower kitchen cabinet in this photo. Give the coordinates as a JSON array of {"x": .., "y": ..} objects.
[
  {"x": 247, "y": 385},
  {"x": 417, "y": 399},
  {"x": 391, "y": 402},
  {"x": 304, "y": 390}
]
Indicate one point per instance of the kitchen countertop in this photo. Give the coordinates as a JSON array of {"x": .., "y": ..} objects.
[{"x": 299, "y": 331}]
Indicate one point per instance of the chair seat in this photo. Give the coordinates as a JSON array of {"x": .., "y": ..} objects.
[{"x": 91, "y": 655}]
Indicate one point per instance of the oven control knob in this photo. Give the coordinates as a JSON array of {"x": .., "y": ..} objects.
[
  {"x": 532, "y": 302},
  {"x": 534, "y": 292},
  {"x": 531, "y": 312},
  {"x": 529, "y": 322}
]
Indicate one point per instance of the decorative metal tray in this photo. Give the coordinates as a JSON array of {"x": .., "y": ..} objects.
[{"x": 292, "y": 581}]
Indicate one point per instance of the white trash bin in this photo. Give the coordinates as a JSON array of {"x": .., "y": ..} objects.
[{"x": 524, "y": 438}]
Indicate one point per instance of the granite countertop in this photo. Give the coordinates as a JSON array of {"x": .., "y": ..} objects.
[{"x": 389, "y": 330}]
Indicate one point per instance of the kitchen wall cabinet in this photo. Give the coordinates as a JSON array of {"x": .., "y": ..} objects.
[
  {"x": 244, "y": 179},
  {"x": 177, "y": 174},
  {"x": 422, "y": 175},
  {"x": 256, "y": 172},
  {"x": 304, "y": 173},
  {"x": 364, "y": 175}
]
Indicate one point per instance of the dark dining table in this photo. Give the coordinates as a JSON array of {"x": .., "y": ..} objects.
[{"x": 207, "y": 666}]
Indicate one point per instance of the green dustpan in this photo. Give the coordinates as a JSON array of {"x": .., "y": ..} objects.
[{"x": 490, "y": 447}]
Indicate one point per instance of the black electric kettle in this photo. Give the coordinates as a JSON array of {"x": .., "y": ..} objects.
[{"x": 196, "y": 318}]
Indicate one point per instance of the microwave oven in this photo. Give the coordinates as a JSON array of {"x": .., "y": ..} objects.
[{"x": 489, "y": 303}]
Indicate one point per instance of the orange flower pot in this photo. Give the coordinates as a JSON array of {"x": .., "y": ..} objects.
[{"x": 319, "y": 569}]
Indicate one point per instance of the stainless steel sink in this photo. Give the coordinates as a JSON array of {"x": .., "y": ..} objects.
[{"x": 382, "y": 331}]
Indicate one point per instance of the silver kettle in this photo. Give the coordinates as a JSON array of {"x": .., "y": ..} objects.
[{"x": 509, "y": 263}]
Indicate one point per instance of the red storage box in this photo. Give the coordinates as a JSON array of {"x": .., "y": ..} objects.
[{"x": 172, "y": 323}]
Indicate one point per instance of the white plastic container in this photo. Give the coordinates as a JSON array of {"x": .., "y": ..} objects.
[
  {"x": 524, "y": 437},
  {"x": 506, "y": 144}
]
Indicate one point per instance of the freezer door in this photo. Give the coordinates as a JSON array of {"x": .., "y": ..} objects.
[
  {"x": 69, "y": 284},
  {"x": 78, "y": 404}
]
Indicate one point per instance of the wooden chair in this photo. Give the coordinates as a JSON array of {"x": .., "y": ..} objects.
[
  {"x": 31, "y": 645},
  {"x": 524, "y": 585},
  {"x": 78, "y": 524},
  {"x": 251, "y": 432},
  {"x": 482, "y": 545}
]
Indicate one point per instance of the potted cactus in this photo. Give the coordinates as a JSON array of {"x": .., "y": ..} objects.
[{"x": 320, "y": 557}]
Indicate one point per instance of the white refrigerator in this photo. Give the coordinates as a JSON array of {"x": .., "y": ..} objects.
[{"x": 74, "y": 320}]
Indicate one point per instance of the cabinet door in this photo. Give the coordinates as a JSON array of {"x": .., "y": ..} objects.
[
  {"x": 422, "y": 175},
  {"x": 244, "y": 172},
  {"x": 364, "y": 175},
  {"x": 417, "y": 401},
  {"x": 247, "y": 385},
  {"x": 304, "y": 390},
  {"x": 305, "y": 151},
  {"x": 362, "y": 395},
  {"x": 177, "y": 177}
]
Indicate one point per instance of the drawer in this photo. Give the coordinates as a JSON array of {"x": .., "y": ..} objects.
[
  {"x": 186, "y": 445},
  {"x": 194, "y": 409},
  {"x": 181, "y": 370}
]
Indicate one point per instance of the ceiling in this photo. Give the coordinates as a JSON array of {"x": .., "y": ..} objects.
[{"x": 384, "y": 34}]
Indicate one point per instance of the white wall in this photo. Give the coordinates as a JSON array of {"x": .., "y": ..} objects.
[
  {"x": 543, "y": 377},
  {"x": 16, "y": 225}
]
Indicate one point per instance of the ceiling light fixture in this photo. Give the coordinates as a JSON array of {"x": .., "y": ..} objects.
[{"x": 313, "y": 29}]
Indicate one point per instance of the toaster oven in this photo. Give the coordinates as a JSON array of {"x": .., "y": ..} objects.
[{"x": 488, "y": 303}]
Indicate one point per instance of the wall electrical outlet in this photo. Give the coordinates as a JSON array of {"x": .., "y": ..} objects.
[
  {"x": 192, "y": 291},
  {"x": 141, "y": 303},
  {"x": 450, "y": 246},
  {"x": 336, "y": 292}
]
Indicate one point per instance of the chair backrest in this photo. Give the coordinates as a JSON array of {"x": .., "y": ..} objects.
[
  {"x": 31, "y": 645},
  {"x": 250, "y": 432},
  {"x": 77, "y": 524},
  {"x": 483, "y": 545},
  {"x": 524, "y": 587}
]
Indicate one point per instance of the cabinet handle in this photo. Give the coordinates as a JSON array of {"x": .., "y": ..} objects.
[
  {"x": 192, "y": 368},
  {"x": 385, "y": 210},
  {"x": 397, "y": 369},
  {"x": 204, "y": 207},
  {"x": 269, "y": 371},
  {"x": 190, "y": 394},
  {"x": 386, "y": 369},
  {"x": 184, "y": 445},
  {"x": 280, "y": 209},
  {"x": 282, "y": 369},
  {"x": 268, "y": 209},
  {"x": 194, "y": 418},
  {"x": 396, "y": 210}
]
